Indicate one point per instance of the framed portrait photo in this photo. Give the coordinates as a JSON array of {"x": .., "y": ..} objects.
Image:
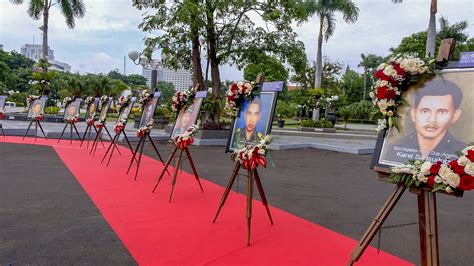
[
  {"x": 127, "y": 110},
  {"x": 72, "y": 109},
  {"x": 253, "y": 117},
  {"x": 91, "y": 109},
  {"x": 149, "y": 109},
  {"x": 436, "y": 122},
  {"x": 104, "y": 110},
  {"x": 37, "y": 107},
  {"x": 187, "y": 117}
]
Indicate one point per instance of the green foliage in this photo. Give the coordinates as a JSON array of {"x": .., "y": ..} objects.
[
  {"x": 362, "y": 110},
  {"x": 18, "y": 98},
  {"x": 353, "y": 86},
  {"x": 163, "y": 111},
  {"x": 273, "y": 69},
  {"x": 286, "y": 109},
  {"x": 322, "y": 123},
  {"x": 167, "y": 91},
  {"x": 54, "y": 110}
]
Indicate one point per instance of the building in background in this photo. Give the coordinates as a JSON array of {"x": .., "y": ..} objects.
[
  {"x": 181, "y": 78},
  {"x": 35, "y": 51}
]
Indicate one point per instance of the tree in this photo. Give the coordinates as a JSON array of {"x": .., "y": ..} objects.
[
  {"x": 270, "y": 66},
  {"x": 167, "y": 91},
  {"x": 305, "y": 77},
  {"x": 352, "y": 85},
  {"x": 325, "y": 10},
  {"x": 431, "y": 40},
  {"x": 136, "y": 80},
  {"x": 370, "y": 63},
  {"x": 455, "y": 31},
  {"x": 71, "y": 9}
]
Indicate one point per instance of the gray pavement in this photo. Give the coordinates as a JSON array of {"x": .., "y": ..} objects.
[{"x": 283, "y": 139}]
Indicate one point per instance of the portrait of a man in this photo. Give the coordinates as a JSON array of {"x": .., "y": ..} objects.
[
  {"x": 104, "y": 111},
  {"x": 428, "y": 132},
  {"x": 148, "y": 111},
  {"x": 126, "y": 111},
  {"x": 187, "y": 117},
  {"x": 72, "y": 109},
  {"x": 91, "y": 109},
  {"x": 254, "y": 117},
  {"x": 36, "y": 107}
]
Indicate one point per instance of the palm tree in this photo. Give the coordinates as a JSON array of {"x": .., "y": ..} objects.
[
  {"x": 326, "y": 10},
  {"x": 431, "y": 37},
  {"x": 71, "y": 9}
]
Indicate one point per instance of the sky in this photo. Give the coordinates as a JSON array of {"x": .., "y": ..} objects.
[{"x": 109, "y": 30}]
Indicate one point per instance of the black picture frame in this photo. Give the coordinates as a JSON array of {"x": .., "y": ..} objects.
[
  {"x": 75, "y": 103},
  {"x": 383, "y": 137},
  {"x": 197, "y": 104},
  {"x": 274, "y": 95},
  {"x": 89, "y": 114},
  {"x": 149, "y": 110},
  {"x": 104, "y": 111},
  {"x": 42, "y": 100},
  {"x": 126, "y": 110}
]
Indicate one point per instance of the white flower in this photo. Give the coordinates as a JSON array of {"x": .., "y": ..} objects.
[
  {"x": 467, "y": 149},
  {"x": 469, "y": 168},
  {"x": 438, "y": 180},
  {"x": 444, "y": 171},
  {"x": 382, "y": 66},
  {"x": 425, "y": 168},
  {"x": 453, "y": 179},
  {"x": 382, "y": 104},
  {"x": 372, "y": 94},
  {"x": 382, "y": 124},
  {"x": 463, "y": 161},
  {"x": 449, "y": 190},
  {"x": 390, "y": 71},
  {"x": 390, "y": 113}
]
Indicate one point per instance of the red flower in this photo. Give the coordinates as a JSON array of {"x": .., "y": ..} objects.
[
  {"x": 380, "y": 75},
  {"x": 458, "y": 169},
  {"x": 467, "y": 182},
  {"x": 230, "y": 98},
  {"x": 431, "y": 180},
  {"x": 244, "y": 88},
  {"x": 435, "y": 168},
  {"x": 470, "y": 155},
  {"x": 399, "y": 70},
  {"x": 234, "y": 88},
  {"x": 2, "y": 115},
  {"x": 386, "y": 93}
]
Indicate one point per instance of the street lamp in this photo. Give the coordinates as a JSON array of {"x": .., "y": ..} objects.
[{"x": 144, "y": 62}]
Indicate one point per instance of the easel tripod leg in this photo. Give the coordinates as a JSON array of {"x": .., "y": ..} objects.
[
  {"x": 168, "y": 162},
  {"x": 175, "y": 175},
  {"x": 139, "y": 159},
  {"x": 135, "y": 154},
  {"x": 249, "y": 203},
  {"x": 188, "y": 154},
  {"x": 85, "y": 133},
  {"x": 62, "y": 133},
  {"x": 227, "y": 189},
  {"x": 42, "y": 131},
  {"x": 376, "y": 223},
  {"x": 77, "y": 131},
  {"x": 100, "y": 138},
  {"x": 428, "y": 228},
  {"x": 262, "y": 194},
  {"x": 28, "y": 129},
  {"x": 108, "y": 149}
]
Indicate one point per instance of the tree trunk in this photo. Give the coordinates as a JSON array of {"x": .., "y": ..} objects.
[
  {"x": 45, "y": 30},
  {"x": 196, "y": 60},
  {"x": 214, "y": 60},
  {"x": 431, "y": 36},
  {"x": 319, "y": 56}
]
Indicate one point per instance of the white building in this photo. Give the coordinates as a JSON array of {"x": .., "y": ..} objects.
[
  {"x": 181, "y": 78},
  {"x": 35, "y": 52}
]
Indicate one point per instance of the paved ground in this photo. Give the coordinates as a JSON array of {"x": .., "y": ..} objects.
[
  {"x": 46, "y": 218},
  {"x": 335, "y": 190}
]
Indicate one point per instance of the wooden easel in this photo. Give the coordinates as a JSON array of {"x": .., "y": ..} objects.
[
  {"x": 427, "y": 217},
  {"x": 177, "y": 168},
  {"x": 252, "y": 174},
  {"x": 88, "y": 133},
  {"x": 114, "y": 145},
  {"x": 3, "y": 132},
  {"x": 71, "y": 125},
  {"x": 97, "y": 137},
  {"x": 141, "y": 145},
  {"x": 37, "y": 124}
]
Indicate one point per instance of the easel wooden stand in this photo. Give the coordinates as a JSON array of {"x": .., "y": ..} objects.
[
  {"x": 428, "y": 224},
  {"x": 37, "y": 124},
  {"x": 177, "y": 168},
  {"x": 88, "y": 133},
  {"x": 97, "y": 137},
  {"x": 140, "y": 146},
  {"x": 71, "y": 125},
  {"x": 3, "y": 132},
  {"x": 252, "y": 174},
  {"x": 114, "y": 145}
]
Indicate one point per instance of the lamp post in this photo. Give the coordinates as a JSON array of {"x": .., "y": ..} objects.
[{"x": 144, "y": 62}]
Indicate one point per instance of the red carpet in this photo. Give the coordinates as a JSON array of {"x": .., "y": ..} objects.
[{"x": 182, "y": 233}]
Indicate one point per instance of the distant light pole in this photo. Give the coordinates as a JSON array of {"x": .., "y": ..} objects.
[{"x": 144, "y": 62}]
